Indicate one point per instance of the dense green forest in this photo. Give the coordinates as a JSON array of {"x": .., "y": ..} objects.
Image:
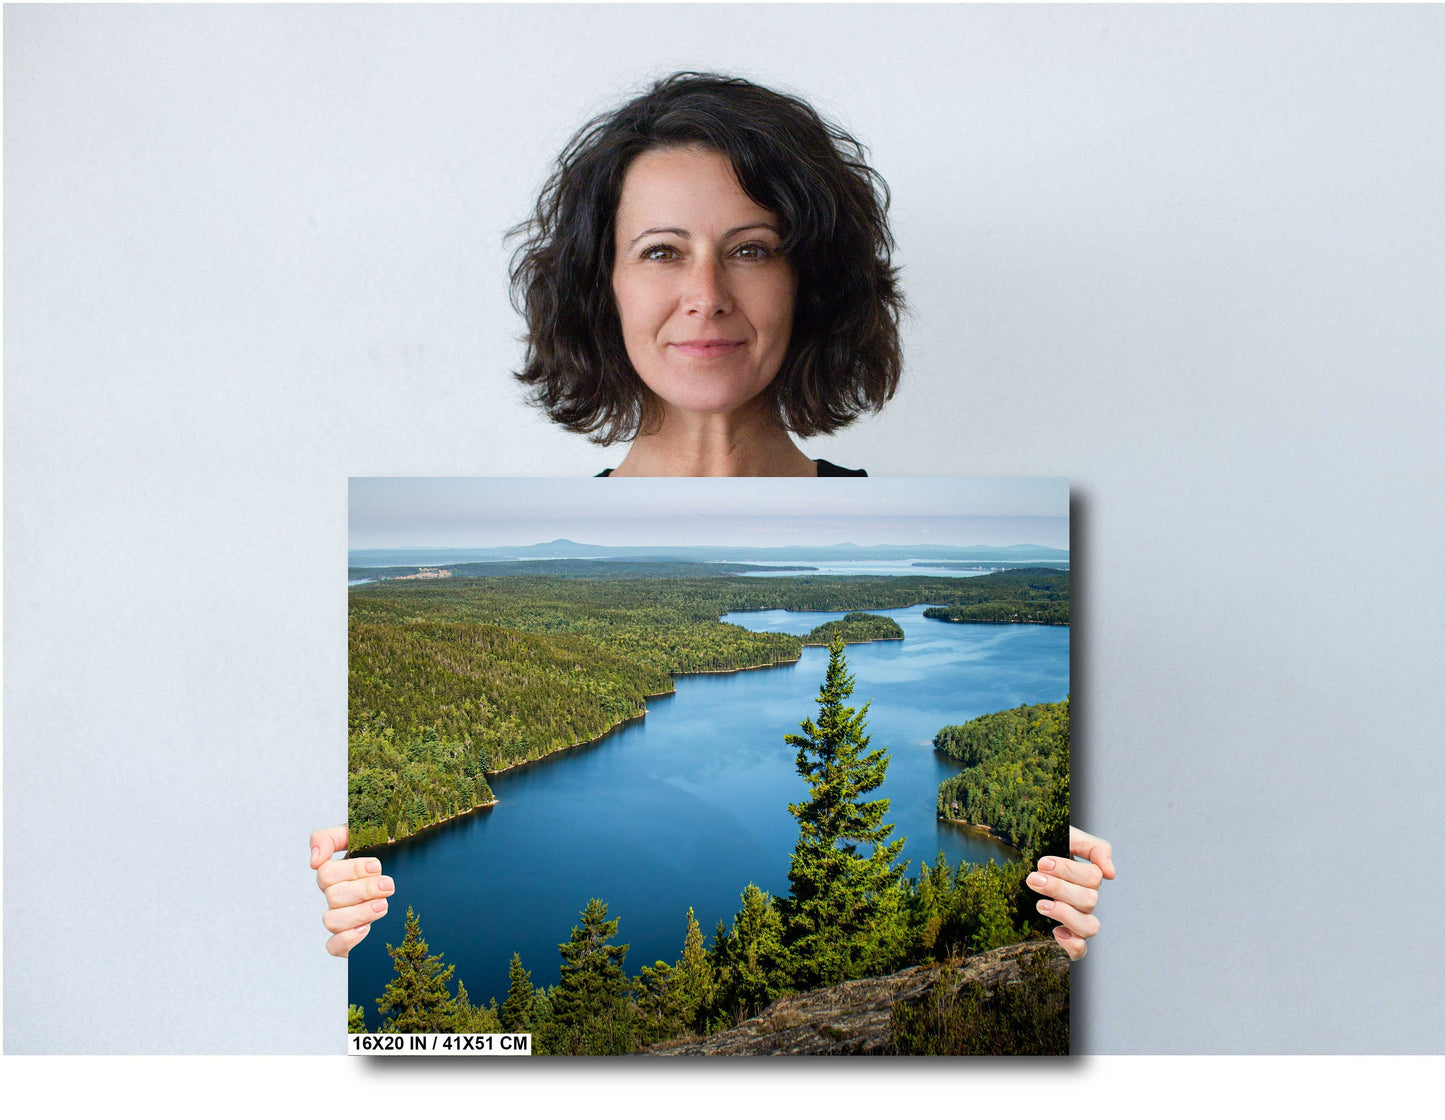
[
  {"x": 1039, "y": 595},
  {"x": 847, "y": 915},
  {"x": 987, "y": 565},
  {"x": 397, "y": 785},
  {"x": 1017, "y": 766},
  {"x": 451, "y": 679},
  {"x": 856, "y": 626}
]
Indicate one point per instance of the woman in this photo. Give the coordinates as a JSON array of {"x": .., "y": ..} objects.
[{"x": 705, "y": 276}]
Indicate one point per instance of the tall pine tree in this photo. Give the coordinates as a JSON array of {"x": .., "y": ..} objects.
[
  {"x": 660, "y": 1013},
  {"x": 844, "y": 916},
  {"x": 591, "y": 1013},
  {"x": 417, "y": 998},
  {"x": 517, "y": 1010},
  {"x": 693, "y": 979},
  {"x": 752, "y": 966}
]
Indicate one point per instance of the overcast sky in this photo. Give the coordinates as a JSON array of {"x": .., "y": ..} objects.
[{"x": 487, "y": 512}]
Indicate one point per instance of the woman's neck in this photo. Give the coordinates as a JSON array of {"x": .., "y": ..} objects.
[{"x": 732, "y": 445}]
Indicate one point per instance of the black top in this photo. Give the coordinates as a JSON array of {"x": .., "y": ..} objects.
[{"x": 825, "y": 470}]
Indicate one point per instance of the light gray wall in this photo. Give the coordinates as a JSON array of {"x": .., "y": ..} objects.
[{"x": 1193, "y": 258}]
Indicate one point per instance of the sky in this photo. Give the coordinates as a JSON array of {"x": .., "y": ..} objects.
[{"x": 490, "y": 512}]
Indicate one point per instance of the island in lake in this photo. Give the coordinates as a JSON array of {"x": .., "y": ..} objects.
[{"x": 856, "y": 626}]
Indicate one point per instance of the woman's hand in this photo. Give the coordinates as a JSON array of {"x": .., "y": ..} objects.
[
  {"x": 1073, "y": 889},
  {"x": 355, "y": 889}
]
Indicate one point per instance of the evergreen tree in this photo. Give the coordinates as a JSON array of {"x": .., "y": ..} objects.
[
  {"x": 590, "y": 1010},
  {"x": 659, "y": 1010},
  {"x": 417, "y": 999},
  {"x": 517, "y": 1010},
  {"x": 467, "y": 1019},
  {"x": 355, "y": 1019},
  {"x": 994, "y": 912},
  {"x": 752, "y": 965},
  {"x": 843, "y": 917},
  {"x": 693, "y": 978},
  {"x": 930, "y": 903}
]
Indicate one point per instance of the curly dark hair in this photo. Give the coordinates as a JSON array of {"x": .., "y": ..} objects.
[{"x": 844, "y": 356}]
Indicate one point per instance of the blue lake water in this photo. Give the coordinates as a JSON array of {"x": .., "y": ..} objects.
[{"x": 689, "y": 805}]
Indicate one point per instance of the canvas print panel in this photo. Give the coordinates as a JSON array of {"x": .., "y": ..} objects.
[{"x": 711, "y": 766}]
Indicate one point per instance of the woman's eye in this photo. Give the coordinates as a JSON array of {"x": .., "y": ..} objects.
[
  {"x": 753, "y": 252},
  {"x": 659, "y": 253}
]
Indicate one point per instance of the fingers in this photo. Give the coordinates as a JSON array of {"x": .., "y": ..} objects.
[
  {"x": 350, "y": 892},
  {"x": 356, "y": 890},
  {"x": 1079, "y": 924},
  {"x": 1072, "y": 870},
  {"x": 339, "y": 919},
  {"x": 343, "y": 942},
  {"x": 1097, "y": 851},
  {"x": 325, "y": 843},
  {"x": 1072, "y": 889},
  {"x": 1082, "y": 897},
  {"x": 1076, "y": 947},
  {"x": 337, "y": 870}
]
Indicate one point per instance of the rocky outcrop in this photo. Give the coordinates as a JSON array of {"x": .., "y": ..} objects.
[{"x": 855, "y": 1017}]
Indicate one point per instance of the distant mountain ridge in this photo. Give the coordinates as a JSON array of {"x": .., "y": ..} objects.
[{"x": 574, "y": 550}]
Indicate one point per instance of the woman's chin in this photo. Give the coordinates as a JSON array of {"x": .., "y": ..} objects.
[{"x": 700, "y": 405}]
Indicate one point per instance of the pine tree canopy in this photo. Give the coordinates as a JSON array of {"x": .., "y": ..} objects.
[
  {"x": 517, "y": 1010},
  {"x": 843, "y": 917},
  {"x": 417, "y": 999},
  {"x": 590, "y": 1010}
]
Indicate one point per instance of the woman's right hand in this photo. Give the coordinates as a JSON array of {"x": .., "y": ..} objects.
[{"x": 356, "y": 890}]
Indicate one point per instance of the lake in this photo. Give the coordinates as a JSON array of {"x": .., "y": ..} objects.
[{"x": 686, "y": 807}]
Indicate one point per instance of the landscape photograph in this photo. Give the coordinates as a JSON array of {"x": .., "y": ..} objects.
[{"x": 696, "y": 766}]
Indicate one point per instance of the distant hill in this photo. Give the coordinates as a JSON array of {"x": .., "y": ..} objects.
[
  {"x": 563, "y": 549},
  {"x": 640, "y": 568}
]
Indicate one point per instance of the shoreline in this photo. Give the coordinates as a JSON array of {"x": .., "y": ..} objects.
[
  {"x": 350, "y": 852},
  {"x": 987, "y": 829},
  {"x": 581, "y": 742},
  {"x": 854, "y": 642},
  {"x": 995, "y": 621},
  {"x": 739, "y": 669},
  {"x": 573, "y": 746},
  {"x": 908, "y": 607}
]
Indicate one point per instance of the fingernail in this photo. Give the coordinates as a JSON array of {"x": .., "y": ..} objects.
[
  {"x": 1046, "y": 904},
  {"x": 373, "y": 867},
  {"x": 1038, "y": 882},
  {"x": 315, "y": 854},
  {"x": 1046, "y": 864},
  {"x": 379, "y": 906},
  {"x": 1062, "y": 933},
  {"x": 1111, "y": 865},
  {"x": 386, "y": 885}
]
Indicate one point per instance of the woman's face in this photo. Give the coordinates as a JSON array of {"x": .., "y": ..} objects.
[{"x": 705, "y": 300}]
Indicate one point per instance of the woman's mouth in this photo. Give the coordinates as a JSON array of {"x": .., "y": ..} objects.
[{"x": 705, "y": 347}]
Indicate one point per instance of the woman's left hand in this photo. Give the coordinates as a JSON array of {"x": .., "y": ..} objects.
[{"x": 1072, "y": 888}]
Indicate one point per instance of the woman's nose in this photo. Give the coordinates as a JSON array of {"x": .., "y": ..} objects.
[{"x": 707, "y": 289}]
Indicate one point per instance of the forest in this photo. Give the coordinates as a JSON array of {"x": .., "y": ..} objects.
[
  {"x": 452, "y": 679},
  {"x": 1013, "y": 761},
  {"x": 1036, "y": 595},
  {"x": 851, "y": 911}
]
